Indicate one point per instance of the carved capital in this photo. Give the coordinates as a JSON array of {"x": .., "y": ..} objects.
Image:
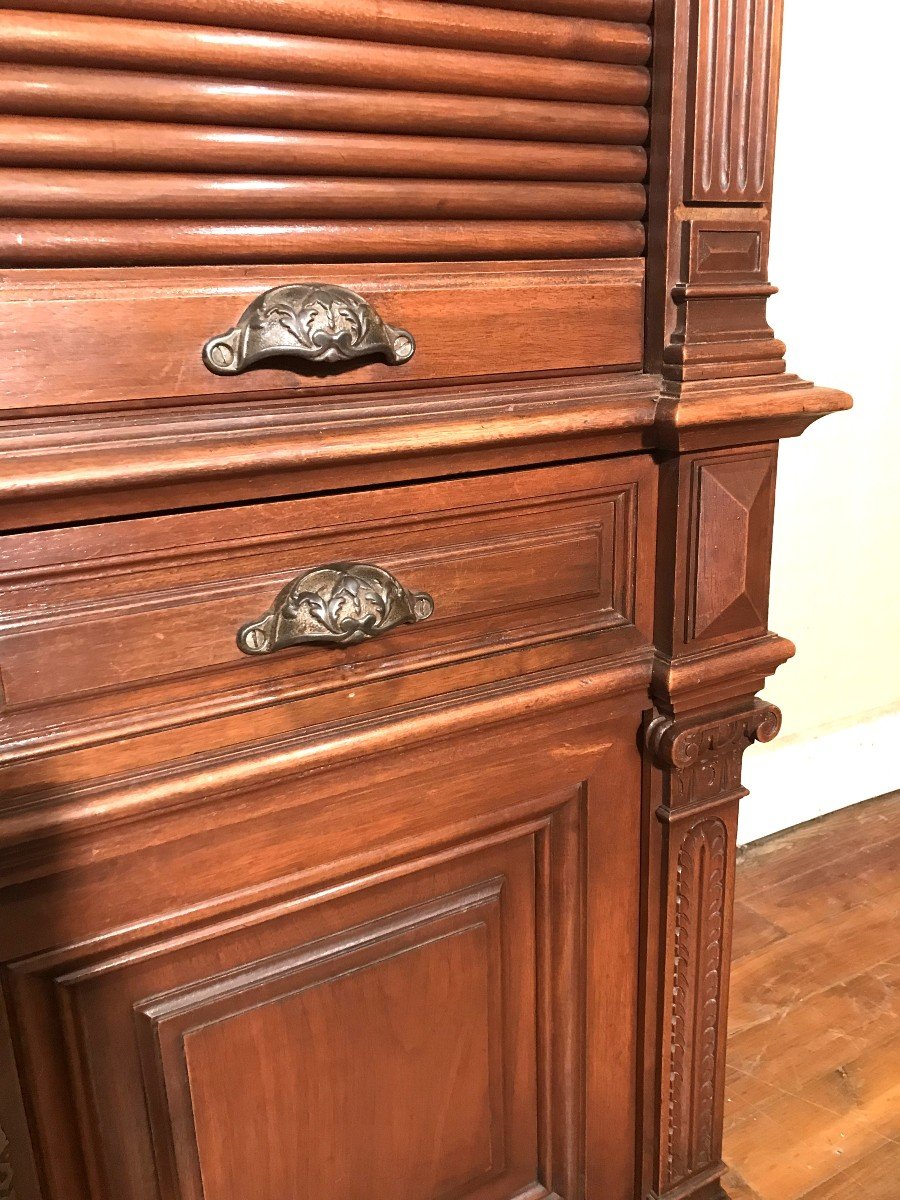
[{"x": 703, "y": 757}]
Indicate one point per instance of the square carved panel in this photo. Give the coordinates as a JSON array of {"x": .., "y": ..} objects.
[
  {"x": 728, "y": 588},
  {"x": 726, "y": 251}
]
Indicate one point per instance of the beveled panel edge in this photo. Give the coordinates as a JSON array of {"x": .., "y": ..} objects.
[{"x": 166, "y": 1021}]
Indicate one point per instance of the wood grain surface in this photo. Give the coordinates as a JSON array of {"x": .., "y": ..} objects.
[{"x": 814, "y": 1033}]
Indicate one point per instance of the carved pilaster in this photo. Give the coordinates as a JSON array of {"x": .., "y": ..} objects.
[
  {"x": 725, "y": 401},
  {"x": 698, "y": 767},
  {"x": 7, "y": 1183},
  {"x": 735, "y": 56},
  {"x": 714, "y": 131}
]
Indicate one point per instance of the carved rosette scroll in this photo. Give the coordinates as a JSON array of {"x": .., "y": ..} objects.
[
  {"x": 703, "y": 759},
  {"x": 7, "y": 1183}
]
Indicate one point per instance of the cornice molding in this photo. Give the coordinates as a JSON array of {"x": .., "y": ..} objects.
[
  {"x": 690, "y": 681},
  {"x": 113, "y": 464},
  {"x": 97, "y": 465},
  {"x": 741, "y": 411}
]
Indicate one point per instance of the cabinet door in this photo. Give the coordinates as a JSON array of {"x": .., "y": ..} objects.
[{"x": 458, "y": 1022}]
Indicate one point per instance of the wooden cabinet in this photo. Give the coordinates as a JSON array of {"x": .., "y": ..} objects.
[{"x": 389, "y": 421}]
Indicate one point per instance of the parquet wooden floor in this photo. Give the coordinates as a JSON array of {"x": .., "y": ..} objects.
[{"x": 813, "y": 1084}]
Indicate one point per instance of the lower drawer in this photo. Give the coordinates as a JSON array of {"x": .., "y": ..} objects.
[{"x": 133, "y": 625}]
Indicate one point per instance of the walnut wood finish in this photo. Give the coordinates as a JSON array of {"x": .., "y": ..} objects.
[
  {"x": 116, "y": 42},
  {"x": 69, "y": 91},
  {"x": 446, "y": 914},
  {"x": 73, "y": 143},
  {"x": 60, "y": 193},
  {"x": 408, "y": 22},
  {"x": 447, "y": 309},
  {"x": 113, "y": 243}
]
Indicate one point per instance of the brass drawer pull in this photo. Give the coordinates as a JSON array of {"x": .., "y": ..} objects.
[
  {"x": 339, "y": 604},
  {"x": 318, "y": 322}
]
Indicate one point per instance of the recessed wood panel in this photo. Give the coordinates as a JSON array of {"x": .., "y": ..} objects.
[
  {"x": 394, "y": 1035},
  {"x": 372, "y": 1059},
  {"x": 365, "y": 1112},
  {"x": 727, "y": 251}
]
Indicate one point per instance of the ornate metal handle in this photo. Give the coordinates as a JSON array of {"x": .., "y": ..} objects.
[
  {"x": 318, "y": 322},
  {"x": 339, "y": 604}
]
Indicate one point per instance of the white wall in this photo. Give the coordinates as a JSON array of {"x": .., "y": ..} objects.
[{"x": 836, "y": 564}]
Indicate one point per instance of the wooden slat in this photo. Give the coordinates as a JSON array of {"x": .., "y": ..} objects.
[
  {"x": 40, "y": 141},
  {"x": 51, "y": 38},
  {"x": 47, "y": 193},
  {"x": 407, "y": 22},
  {"x": 114, "y": 243},
  {"x": 610, "y": 10},
  {"x": 83, "y": 92}
]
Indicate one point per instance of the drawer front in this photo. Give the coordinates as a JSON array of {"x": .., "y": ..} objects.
[
  {"x": 134, "y": 337},
  {"x": 137, "y": 622}
]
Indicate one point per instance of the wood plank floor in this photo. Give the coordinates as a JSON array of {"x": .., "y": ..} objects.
[{"x": 813, "y": 1082}]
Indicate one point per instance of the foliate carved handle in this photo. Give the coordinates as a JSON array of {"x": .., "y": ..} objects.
[
  {"x": 339, "y": 604},
  {"x": 318, "y": 322}
]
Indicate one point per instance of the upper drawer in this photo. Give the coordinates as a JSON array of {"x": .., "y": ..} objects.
[
  {"x": 133, "y": 625},
  {"x": 119, "y": 338}
]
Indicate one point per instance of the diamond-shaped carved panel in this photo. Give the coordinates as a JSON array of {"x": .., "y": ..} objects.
[{"x": 733, "y": 532}]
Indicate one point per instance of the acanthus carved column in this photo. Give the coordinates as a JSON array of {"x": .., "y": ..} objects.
[{"x": 7, "y": 1183}]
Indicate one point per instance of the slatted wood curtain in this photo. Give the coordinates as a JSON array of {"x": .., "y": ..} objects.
[{"x": 205, "y": 131}]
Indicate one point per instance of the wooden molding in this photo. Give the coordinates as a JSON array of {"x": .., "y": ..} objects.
[
  {"x": 115, "y": 465},
  {"x": 689, "y": 681},
  {"x": 80, "y": 813},
  {"x": 742, "y": 412}
]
